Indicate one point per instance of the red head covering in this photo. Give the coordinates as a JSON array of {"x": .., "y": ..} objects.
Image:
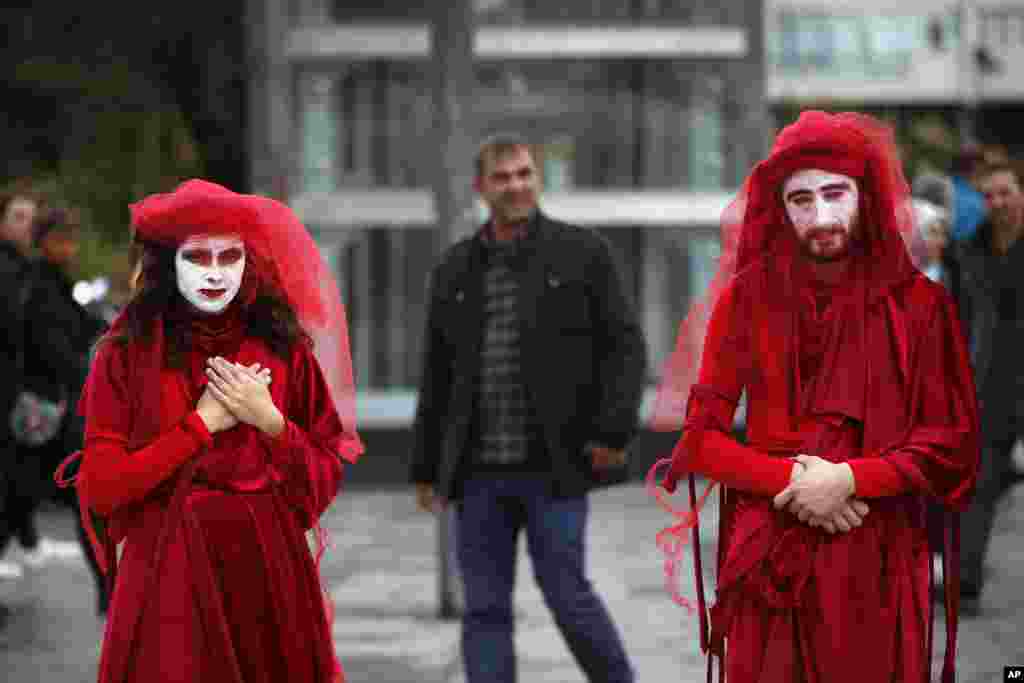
[
  {"x": 755, "y": 227},
  {"x": 281, "y": 253}
]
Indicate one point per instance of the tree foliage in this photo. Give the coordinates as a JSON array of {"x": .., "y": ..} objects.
[{"x": 106, "y": 102}]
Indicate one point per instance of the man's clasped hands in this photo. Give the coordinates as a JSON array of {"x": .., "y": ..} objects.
[{"x": 820, "y": 494}]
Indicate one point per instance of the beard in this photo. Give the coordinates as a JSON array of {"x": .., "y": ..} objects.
[
  {"x": 514, "y": 208},
  {"x": 826, "y": 244}
]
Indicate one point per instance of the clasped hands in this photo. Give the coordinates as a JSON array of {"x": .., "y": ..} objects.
[
  {"x": 820, "y": 494},
  {"x": 238, "y": 394}
]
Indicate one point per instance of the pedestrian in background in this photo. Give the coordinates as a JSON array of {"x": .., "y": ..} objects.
[
  {"x": 991, "y": 303},
  {"x": 969, "y": 207},
  {"x": 932, "y": 223},
  {"x": 532, "y": 378},
  {"x": 59, "y": 335},
  {"x": 17, "y": 210}
]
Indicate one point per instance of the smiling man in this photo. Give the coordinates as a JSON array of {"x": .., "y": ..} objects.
[
  {"x": 860, "y": 408},
  {"x": 532, "y": 376}
]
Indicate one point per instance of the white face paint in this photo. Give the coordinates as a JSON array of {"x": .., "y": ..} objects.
[
  {"x": 210, "y": 271},
  {"x": 823, "y": 209}
]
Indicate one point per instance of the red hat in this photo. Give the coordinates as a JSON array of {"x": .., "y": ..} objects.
[{"x": 283, "y": 251}]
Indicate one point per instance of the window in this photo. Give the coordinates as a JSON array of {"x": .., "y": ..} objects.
[
  {"x": 853, "y": 46},
  {"x": 706, "y": 163}
]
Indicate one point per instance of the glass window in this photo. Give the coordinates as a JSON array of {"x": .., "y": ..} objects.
[
  {"x": 706, "y": 162},
  {"x": 853, "y": 46},
  {"x": 605, "y": 124}
]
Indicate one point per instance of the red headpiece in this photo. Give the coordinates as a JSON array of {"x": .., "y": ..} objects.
[
  {"x": 282, "y": 252},
  {"x": 755, "y": 226}
]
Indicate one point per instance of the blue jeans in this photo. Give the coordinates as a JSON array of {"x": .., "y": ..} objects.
[{"x": 491, "y": 513}]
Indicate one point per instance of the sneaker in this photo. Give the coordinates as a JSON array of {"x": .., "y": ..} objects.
[{"x": 11, "y": 570}]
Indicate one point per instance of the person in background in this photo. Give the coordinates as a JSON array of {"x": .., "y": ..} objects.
[
  {"x": 932, "y": 224},
  {"x": 969, "y": 207},
  {"x": 17, "y": 210},
  {"x": 532, "y": 378},
  {"x": 991, "y": 302},
  {"x": 59, "y": 335}
]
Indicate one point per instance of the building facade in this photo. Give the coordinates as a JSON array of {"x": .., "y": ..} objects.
[
  {"x": 645, "y": 114},
  {"x": 953, "y": 58}
]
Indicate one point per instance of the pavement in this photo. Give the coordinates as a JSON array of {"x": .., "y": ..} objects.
[{"x": 383, "y": 576}]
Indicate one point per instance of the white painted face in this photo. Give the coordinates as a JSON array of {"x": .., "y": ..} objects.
[
  {"x": 210, "y": 271},
  {"x": 823, "y": 209}
]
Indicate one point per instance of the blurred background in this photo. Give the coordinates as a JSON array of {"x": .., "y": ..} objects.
[{"x": 364, "y": 116}]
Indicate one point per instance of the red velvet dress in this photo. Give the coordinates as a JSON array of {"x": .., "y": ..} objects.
[
  {"x": 795, "y": 603},
  {"x": 216, "y": 581}
]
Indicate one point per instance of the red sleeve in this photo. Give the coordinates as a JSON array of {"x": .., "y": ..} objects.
[
  {"x": 307, "y": 455},
  {"x": 877, "y": 478},
  {"x": 706, "y": 445},
  {"x": 111, "y": 476},
  {"x": 722, "y": 458}
]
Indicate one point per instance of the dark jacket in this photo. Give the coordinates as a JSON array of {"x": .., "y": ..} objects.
[
  {"x": 583, "y": 355},
  {"x": 979, "y": 296},
  {"x": 14, "y": 270},
  {"x": 59, "y": 332}
]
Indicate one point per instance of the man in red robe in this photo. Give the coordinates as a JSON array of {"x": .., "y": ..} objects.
[{"x": 860, "y": 407}]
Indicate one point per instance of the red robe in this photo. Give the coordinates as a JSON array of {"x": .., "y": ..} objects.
[
  {"x": 216, "y": 581},
  {"x": 795, "y": 603}
]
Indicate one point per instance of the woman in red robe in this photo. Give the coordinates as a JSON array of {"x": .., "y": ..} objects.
[
  {"x": 860, "y": 407},
  {"x": 215, "y": 438}
]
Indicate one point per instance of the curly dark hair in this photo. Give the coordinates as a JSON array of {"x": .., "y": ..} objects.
[{"x": 268, "y": 317}]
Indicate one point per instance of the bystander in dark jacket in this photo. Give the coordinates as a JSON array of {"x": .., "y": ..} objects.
[
  {"x": 59, "y": 335},
  {"x": 583, "y": 357},
  {"x": 990, "y": 296},
  {"x": 530, "y": 393},
  {"x": 17, "y": 210}
]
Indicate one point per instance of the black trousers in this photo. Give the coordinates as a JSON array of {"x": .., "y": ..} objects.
[
  {"x": 976, "y": 523},
  {"x": 21, "y": 497}
]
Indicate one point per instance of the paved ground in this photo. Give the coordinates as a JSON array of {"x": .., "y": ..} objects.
[{"x": 383, "y": 577}]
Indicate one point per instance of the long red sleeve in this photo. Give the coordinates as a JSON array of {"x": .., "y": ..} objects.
[
  {"x": 706, "y": 446},
  {"x": 112, "y": 477},
  {"x": 877, "y": 478},
  {"x": 724, "y": 459},
  {"x": 307, "y": 455}
]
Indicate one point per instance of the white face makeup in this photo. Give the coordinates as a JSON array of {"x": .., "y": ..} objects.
[
  {"x": 823, "y": 209},
  {"x": 210, "y": 271}
]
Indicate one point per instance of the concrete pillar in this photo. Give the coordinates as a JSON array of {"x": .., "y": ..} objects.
[
  {"x": 272, "y": 160},
  {"x": 451, "y": 34}
]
